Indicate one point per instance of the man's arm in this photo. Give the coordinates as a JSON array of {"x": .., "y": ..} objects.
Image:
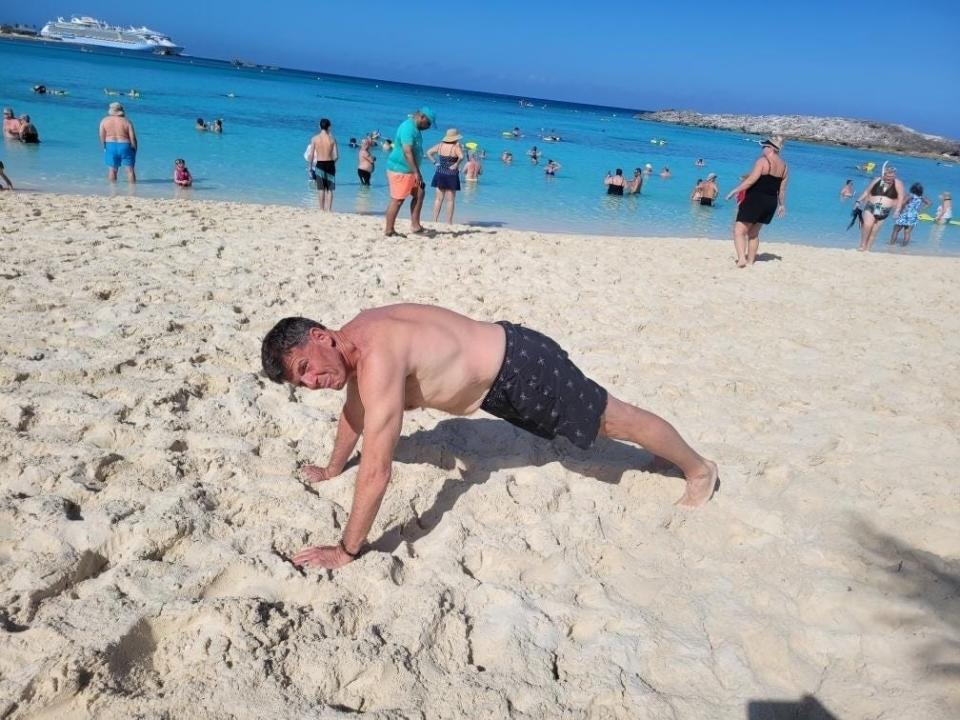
[
  {"x": 133, "y": 135},
  {"x": 380, "y": 387},
  {"x": 412, "y": 162},
  {"x": 103, "y": 135},
  {"x": 349, "y": 430}
]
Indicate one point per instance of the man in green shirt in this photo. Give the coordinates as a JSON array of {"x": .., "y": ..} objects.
[{"x": 403, "y": 169}]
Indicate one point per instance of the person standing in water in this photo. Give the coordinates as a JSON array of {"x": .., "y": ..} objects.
[
  {"x": 884, "y": 195},
  {"x": 119, "y": 142},
  {"x": 11, "y": 124},
  {"x": 365, "y": 162},
  {"x": 706, "y": 192},
  {"x": 765, "y": 195},
  {"x": 944, "y": 209},
  {"x": 473, "y": 169},
  {"x": 322, "y": 158},
  {"x": 909, "y": 216},
  {"x": 446, "y": 157},
  {"x": 615, "y": 183},
  {"x": 846, "y": 192}
]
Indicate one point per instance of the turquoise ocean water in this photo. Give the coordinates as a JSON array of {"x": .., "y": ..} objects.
[{"x": 259, "y": 158}]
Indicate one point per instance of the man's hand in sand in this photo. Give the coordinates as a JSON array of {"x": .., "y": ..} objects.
[
  {"x": 325, "y": 556},
  {"x": 316, "y": 474}
]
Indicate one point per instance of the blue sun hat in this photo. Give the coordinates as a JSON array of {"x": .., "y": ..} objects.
[{"x": 429, "y": 115}]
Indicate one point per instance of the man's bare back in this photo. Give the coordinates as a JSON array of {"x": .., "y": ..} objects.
[
  {"x": 116, "y": 129},
  {"x": 449, "y": 360},
  {"x": 324, "y": 147}
]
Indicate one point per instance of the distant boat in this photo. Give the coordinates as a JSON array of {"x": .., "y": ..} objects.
[
  {"x": 238, "y": 63},
  {"x": 526, "y": 103},
  {"x": 86, "y": 30}
]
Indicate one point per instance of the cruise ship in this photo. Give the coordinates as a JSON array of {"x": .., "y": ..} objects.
[{"x": 90, "y": 31}]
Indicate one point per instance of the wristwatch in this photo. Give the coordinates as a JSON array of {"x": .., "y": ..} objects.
[{"x": 344, "y": 548}]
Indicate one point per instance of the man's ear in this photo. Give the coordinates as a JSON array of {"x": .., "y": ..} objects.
[{"x": 321, "y": 335}]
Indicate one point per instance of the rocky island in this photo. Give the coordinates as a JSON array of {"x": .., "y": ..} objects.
[{"x": 864, "y": 134}]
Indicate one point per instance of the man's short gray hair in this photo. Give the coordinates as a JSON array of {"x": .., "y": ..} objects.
[{"x": 289, "y": 333}]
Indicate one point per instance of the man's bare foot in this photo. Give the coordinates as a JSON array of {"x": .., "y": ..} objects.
[
  {"x": 701, "y": 486},
  {"x": 741, "y": 263}
]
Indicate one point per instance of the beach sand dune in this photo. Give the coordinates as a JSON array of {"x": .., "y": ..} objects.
[{"x": 149, "y": 494}]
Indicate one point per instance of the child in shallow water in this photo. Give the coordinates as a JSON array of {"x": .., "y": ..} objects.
[{"x": 181, "y": 175}]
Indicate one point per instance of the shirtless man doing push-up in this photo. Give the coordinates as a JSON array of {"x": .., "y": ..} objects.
[{"x": 401, "y": 357}]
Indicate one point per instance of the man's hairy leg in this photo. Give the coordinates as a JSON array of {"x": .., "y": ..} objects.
[{"x": 623, "y": 421}]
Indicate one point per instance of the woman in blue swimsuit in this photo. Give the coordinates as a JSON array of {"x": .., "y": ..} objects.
[{"x": 446, "y": 157}]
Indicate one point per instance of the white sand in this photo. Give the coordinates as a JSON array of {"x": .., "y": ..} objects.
[{"x": 149, "y": 488}]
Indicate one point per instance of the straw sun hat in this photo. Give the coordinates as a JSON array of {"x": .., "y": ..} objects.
[
  {"x": 116, "y": 108},
  {"x": 775, "y": 141},
  {"x": 452, "y": 135}
]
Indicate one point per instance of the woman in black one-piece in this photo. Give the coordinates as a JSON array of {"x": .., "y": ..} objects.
[{"x": 765, "y": 190}]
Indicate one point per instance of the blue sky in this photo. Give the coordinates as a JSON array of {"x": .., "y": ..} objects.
[{"x": 884, "y": 61}]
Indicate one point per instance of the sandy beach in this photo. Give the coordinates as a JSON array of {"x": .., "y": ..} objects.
[{"x": 149, "y": 493}]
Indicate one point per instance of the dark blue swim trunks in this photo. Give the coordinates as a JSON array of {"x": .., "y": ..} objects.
[{"x": 539, "y": 390}]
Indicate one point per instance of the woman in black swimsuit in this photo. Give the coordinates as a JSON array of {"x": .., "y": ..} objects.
[
  {"x": 766, "y": 192},
  {"x": 615, "y": 183},
  {"x": 883, "y": 195}
]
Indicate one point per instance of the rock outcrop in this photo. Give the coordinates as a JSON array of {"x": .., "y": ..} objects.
[{"x": 838, "y": 131}]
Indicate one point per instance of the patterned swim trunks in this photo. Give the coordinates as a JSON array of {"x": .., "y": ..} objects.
[{"x": 541, "y": 391}]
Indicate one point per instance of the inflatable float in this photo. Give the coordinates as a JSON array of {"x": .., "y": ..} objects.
[{"x": 927, "y": 217}]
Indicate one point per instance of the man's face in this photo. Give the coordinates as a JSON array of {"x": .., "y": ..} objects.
[
  {"x": 423, "y": 122},
  {"x": 317, "y": 364}
]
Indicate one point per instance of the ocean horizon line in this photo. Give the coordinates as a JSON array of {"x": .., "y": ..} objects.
[{"x": 187, "y": 59}]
